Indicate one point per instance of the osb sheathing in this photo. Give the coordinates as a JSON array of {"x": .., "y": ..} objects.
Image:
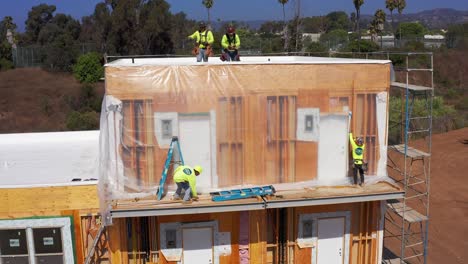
[
  {"x": 47, "y": 201},
  {"x": 201, "y": 83}
]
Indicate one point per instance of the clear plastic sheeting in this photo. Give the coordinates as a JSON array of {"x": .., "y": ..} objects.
[{"x": 257, "y": 122}]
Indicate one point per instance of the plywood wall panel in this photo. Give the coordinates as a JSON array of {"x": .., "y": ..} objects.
[
  {"x": 257, "y": 248},
  {"x": 43, "y": 201},
  {"x": 199, "y": 82}
]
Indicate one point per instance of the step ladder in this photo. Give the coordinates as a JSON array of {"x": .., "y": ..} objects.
[
  {"x": 170, "y": 154},
  {"x": 236, "y": 194}
]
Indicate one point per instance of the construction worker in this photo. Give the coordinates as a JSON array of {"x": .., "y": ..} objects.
[
  {"x": 230, "y": 44},
  {"x": 185, "y": 178},
  {"x": 203, "y": 41},
  {"x": 358, "y": 147}
]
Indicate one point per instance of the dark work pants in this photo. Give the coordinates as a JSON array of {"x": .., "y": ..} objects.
[
  {"x": 231, "y": 55},
  {"x": 356, "y": 168},
  {"x": 183, "y": 186}
]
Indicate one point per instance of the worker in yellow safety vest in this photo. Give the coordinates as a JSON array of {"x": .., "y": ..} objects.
[
  {"x": 186, "y": 179},
  {"x": 230, "y": 43},
  {"x": 203, "y": 41},
  {"x": 358, "y": 147}
]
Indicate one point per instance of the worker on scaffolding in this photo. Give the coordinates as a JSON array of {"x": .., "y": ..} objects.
[
  {"x": 230, "y": 43},
  {"x": 186, "y": 179},
  {"x": 359, "y": 165},
  {"x": 203, "y": 41}
]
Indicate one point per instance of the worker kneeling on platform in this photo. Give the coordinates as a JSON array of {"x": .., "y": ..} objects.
[{"x": 186, "y": 179}]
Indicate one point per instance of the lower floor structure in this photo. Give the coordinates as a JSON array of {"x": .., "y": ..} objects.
[{"x": 338, "y": 233}]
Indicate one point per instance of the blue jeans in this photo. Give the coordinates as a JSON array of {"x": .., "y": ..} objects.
[
  {"x": 186, "y": 187},
  {"x": 202, "y": 55},
  {"x": 231, "y": 55}
]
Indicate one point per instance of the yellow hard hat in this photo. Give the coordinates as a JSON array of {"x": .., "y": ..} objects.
[{"x": 198, "y": 168}]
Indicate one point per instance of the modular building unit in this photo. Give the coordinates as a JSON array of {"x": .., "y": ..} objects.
[{"x": 281, "y": 121}]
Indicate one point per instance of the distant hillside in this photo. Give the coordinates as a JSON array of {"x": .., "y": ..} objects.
[{"x": 434, "y": 19}]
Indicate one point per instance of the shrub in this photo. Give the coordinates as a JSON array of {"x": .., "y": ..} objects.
[
  {"x": 316, "y": 47},
  {"x": 88, "y": 69},
  {"x": 365, "y": 45},
  {"x": 82, "y": 121},
  {"x": 5, "y": 64}
]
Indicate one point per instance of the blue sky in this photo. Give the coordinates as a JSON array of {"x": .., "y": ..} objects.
[{"x": 227, "y": 10}]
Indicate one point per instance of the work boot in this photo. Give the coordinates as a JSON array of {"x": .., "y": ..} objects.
[{"x": 176, "y": 198}]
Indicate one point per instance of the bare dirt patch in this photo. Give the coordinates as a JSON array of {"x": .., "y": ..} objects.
[{"x": 34, "y": 100}]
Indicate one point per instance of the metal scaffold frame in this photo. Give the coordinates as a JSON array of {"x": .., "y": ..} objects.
[{"x": 409, "y": 157}]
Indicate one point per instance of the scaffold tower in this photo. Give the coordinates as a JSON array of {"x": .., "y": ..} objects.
[{"x": 409, "y": 157}]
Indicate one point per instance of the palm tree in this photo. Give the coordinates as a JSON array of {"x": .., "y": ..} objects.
[
  {"x": 390, "y": 5},
  {"x": 208, "y": 4},
  {"x": 379, "y": 23},
  {"x": 353, "y": 21},
  {"x": 285, "y": 27},
  {"x": 357, "y": 6},
  {"x": 400, "y": 5}
]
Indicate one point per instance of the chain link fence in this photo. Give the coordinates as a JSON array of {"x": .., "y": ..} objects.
[{"x": 35, "y": 55}]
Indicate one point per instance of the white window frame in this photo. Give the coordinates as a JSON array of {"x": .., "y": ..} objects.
[{"x": 63, "y": 223}]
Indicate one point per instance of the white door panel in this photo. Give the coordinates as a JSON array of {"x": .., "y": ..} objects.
[
  {"x": 330, "y": 244},
  {"x": 194, "y": 136},
  {"x": 197, "y": 245},
  {"x": 333, "y": 148}
]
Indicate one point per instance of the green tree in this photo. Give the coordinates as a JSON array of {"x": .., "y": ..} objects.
[
  {"x": 124, "y": 28},
  {"x": 335, "y": 39},
  {"x": 155, "y": 23},
  {"x": 362, "y": 46},
  {"x": 357, "y": 6},
  {"x": 180, "y": 29},
  {"x": 88, "y": 68},
  {"x": 318, "y": 24},
  {"x": 61, "y": 53},
  {"x": 38, "y": 17},
  {"x": 5, "y": 25},
  {"x": 316, "y": 47},
  {"x": 337, "y": 20},
  {"x": 391, "y": 5},
  {"x": 411, "y": 29},
  {"x": 457, "y": 36},
  {"x": 97, "y": 27},
  {"x": 208, "y": 5}
]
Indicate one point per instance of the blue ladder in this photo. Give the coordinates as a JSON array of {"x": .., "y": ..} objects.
[
  {"x": 236, "y": 194},
  {"x": 170, "y": 152}
]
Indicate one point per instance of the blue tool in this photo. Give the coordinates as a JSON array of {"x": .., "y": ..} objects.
[
  {"x": 170, "y": 154},
  {"x": 236, "y": 194}
]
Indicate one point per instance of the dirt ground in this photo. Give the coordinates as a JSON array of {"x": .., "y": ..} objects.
[
  {"x": 34, "y": 100},
  {"x": 448, "y": 224}
]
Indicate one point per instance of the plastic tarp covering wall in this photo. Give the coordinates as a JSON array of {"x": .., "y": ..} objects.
[{"x": 238, "y": 121}]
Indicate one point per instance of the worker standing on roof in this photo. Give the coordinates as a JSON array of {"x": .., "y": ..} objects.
[
  {"x": 203, "y": 41},
  {"x": 185, "y": 178},
  {"x": 358, "y": 147},
  {"x": 230, "y": 44}
]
